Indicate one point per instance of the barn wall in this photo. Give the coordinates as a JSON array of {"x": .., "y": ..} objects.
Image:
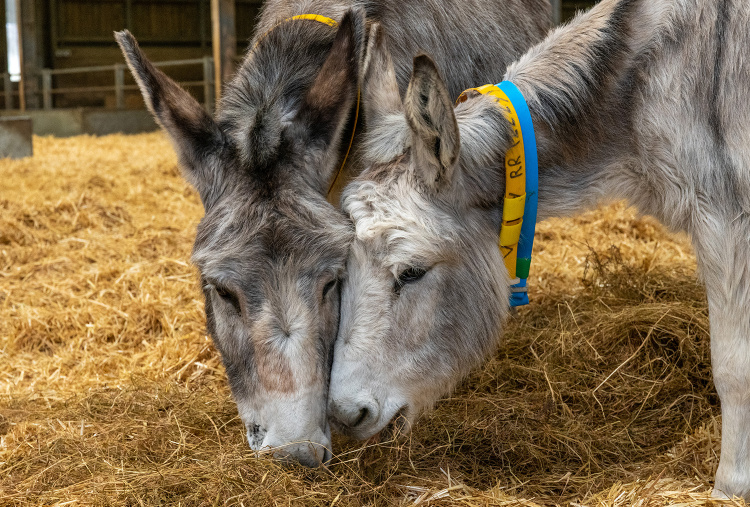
[
  {"x": 78, "y": 33},
  {"x": 81, "y": 36}
]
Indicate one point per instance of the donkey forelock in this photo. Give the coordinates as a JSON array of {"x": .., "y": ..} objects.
[{"x": 385, "y": 218}]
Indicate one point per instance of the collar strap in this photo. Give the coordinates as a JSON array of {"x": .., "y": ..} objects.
[
  {"x": 315, "y": 17},
  {"x": 521, "y": 188},
  {"x": 332, "y": 23},
  {"x": 312, "y": 17}
]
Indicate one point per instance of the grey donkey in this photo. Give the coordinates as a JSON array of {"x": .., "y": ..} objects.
[
  {"x": 637, "y": 99},
  {"x": 270, "y": 249}
]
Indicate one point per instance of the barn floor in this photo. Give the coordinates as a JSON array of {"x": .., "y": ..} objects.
[{"x": 111, "y": 394}]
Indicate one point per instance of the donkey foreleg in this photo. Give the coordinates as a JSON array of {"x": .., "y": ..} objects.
[{"x": 727, "y": 276}]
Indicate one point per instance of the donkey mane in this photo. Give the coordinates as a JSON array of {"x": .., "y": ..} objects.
[
  {"x": 579, "y": 66},
  {"x": 593, "y": 60}
]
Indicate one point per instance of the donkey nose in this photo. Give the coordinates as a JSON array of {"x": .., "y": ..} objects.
[
  {"x": 307, "y": 454},
  {"x": 353, "y": 415},
  {"x": 311, "y": 454}
]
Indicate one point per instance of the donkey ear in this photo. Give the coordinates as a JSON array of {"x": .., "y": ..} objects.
[
  {"x": 429, "y": 112},
  {"x": 381, "y": 96},
  {"x": 194, "y": 134},
  {"x": 329, "y": 102}
]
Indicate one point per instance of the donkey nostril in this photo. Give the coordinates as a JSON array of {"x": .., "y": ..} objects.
[
  {"x": 255, "y": 436},
  {"x": 352, "y": 415},
  {"x": 363, "y": 413}
]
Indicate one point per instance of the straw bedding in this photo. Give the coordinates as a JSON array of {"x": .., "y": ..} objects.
[{"x": 111, "y": 394}]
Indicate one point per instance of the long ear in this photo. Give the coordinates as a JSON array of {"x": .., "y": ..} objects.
[
  {"x": 194, "y": 134},
  {"x": 333, "y": 95},
  {"x": 381, "y": 96},
  {"x": 435, "y": 136}
]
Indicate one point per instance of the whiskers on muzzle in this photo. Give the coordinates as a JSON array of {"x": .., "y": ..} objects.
[{"x": 311, "y": 453}]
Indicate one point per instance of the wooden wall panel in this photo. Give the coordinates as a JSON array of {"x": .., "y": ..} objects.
[
  {"x": 173, "y": 21},
  {"x": 87, "y": 21},
  {"x": 247, "y": 12}
]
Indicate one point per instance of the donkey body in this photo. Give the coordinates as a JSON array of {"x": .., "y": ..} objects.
[
  {"x": 635, "y": 99},
  {"x": 270, "y": 248}
]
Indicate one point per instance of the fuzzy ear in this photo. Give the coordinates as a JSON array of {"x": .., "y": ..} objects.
[
  {"x": 331, "y": 99},
  {"x": 380, "y": 88},
  {"x": 194, "y": 134},
  {"x": 435, "y": 135}
]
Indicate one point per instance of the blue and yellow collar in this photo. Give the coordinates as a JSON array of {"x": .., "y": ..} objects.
[{"x": 521, "y": 188}]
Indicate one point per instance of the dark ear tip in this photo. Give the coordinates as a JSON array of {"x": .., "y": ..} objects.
[
  {"x": 353, "y": 24},
  {"x": 353, "y": 15},
  {"x": 348, "y": 20},
  {"x": 126, "y": 40},
  {"x": 375, "y": 36},
  {"x": 423, "y": 63}
]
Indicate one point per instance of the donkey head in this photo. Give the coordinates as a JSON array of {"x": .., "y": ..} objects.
[
  {"x": 270, "y": 249},
  {"x": 426, "y": 289}
]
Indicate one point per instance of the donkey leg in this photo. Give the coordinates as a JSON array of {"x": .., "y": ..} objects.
[{"x": 730, "y": 357}]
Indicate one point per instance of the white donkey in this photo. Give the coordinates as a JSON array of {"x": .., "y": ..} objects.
[{"x": 638, "y": 99}]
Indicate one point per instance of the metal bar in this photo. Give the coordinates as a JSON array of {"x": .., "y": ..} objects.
[
  {"x": 119, "y": 86},
  {"x": 151, "y": 39},
  {"x": 46, "y": 89},
  {"x": 172, "y": 63},
  {"x": 85, "y": 89},
  {"x": 8, "y": 91},
  {"x": 83, "y": 70},
  {"x": 208, "y": 83},
  {"x": 111, "y": 68}
]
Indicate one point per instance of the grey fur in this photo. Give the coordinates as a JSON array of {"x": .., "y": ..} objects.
[
  {"x": 270, "y": 249},
  {"x": 636, "y": 99}
]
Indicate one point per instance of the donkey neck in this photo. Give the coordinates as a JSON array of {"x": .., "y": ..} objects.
[{"x": 580, "y": 85}]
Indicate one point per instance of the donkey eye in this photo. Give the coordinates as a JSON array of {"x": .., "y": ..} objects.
[
  {"x": 407, "y": 276},
  {"x": 327, "y": 288},
  {"x": 228, "y": 296}
]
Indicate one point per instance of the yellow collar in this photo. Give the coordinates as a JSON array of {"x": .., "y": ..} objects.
[
  {"x": 515, "y": 181},
  {"x": 312, "y": 17},
  {"x": 521, "y": 187}
]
